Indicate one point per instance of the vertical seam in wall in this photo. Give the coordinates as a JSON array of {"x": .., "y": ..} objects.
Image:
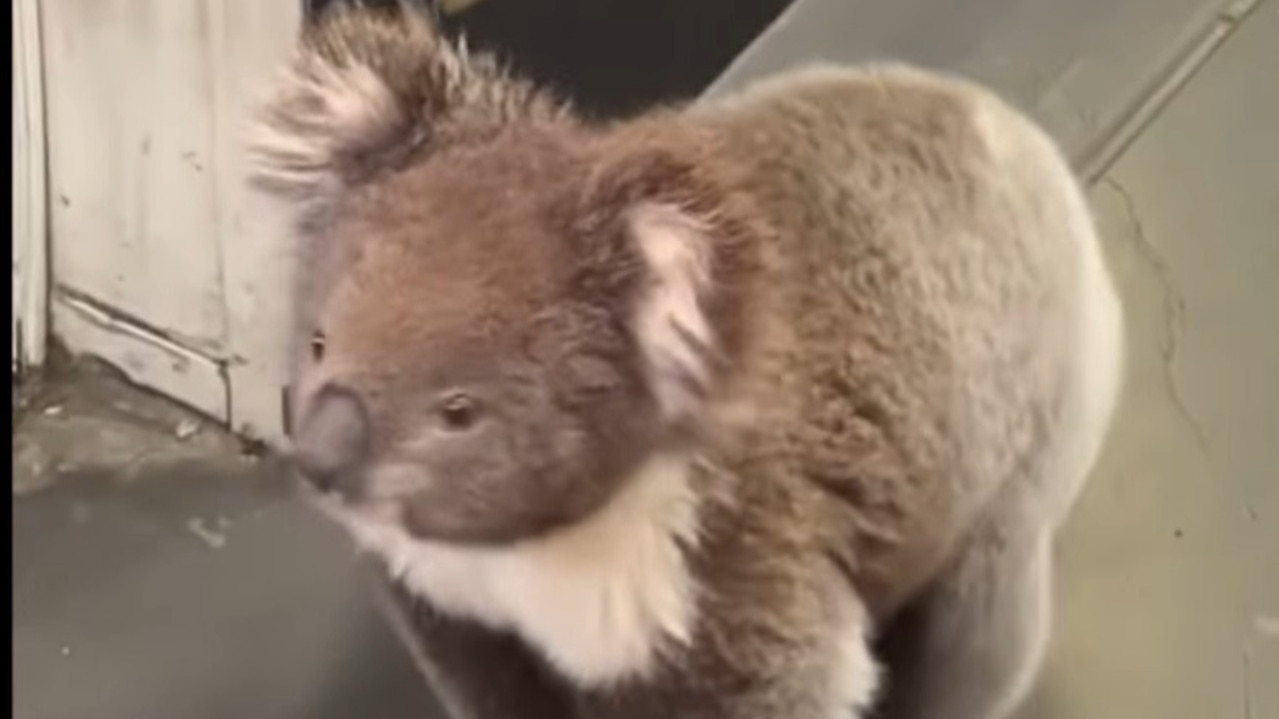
[
  {"x": 1103, "y": 154},
  {"x": 213, "y": 47}
]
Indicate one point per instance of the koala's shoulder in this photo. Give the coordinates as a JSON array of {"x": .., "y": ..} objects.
[{"x": 814, "y": 106}]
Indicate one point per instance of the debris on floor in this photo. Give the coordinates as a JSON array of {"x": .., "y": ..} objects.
[{"x": 82, "y": 415}]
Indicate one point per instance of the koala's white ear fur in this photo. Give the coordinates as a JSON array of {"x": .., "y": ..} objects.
[
  {"x": 321, "y": 118},
  {"x": 356, "y": 87},
  {"x": 671, "y": 325},
  {"x": 366, "y": 89}
]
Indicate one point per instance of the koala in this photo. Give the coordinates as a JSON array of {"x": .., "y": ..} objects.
[{"x": 761, "y": 407}]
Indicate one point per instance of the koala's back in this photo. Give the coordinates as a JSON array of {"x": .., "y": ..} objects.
[{"x": 925, "y": 300}]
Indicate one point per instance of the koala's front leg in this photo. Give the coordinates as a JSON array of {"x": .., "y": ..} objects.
[{"x": 475, "y": 673}]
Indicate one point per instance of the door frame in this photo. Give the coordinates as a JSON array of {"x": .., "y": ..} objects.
[{"x": 30, "y": 192}]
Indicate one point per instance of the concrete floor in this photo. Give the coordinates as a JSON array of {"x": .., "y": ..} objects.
[
  {"x": 166, "y": 576},
  {"x": 1170, "y": 570}
]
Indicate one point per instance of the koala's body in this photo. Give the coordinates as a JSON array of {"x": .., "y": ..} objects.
[{"x": 764, "y": 408}]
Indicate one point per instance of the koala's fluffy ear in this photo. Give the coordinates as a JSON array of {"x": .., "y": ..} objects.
[
  {"x": 669, "y": 319},
  {"x": 684, "y": 299},
  {"x": 365, "y": 90}
]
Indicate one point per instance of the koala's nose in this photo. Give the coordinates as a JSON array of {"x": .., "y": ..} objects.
[{"x": 333, "y": 440}]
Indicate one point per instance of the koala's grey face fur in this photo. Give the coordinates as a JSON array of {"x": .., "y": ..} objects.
[
  {"x": 469, "y": 370},
  {"x": 503, "y": 309}
]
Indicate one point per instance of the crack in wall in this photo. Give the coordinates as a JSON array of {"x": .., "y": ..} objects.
[
  {"x": 108, "y": 315},
  {"x": 1174, "y": 310}
]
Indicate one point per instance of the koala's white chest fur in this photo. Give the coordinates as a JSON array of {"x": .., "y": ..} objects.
[{"x": 598, "y": 599}]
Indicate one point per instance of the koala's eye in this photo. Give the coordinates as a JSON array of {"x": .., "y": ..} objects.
[
  {"x": 317, "y": 345},
  {"x": 459, "y": 412}
]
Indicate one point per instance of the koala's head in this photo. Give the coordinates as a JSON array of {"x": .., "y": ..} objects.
[{"x": 503, "y": 311}]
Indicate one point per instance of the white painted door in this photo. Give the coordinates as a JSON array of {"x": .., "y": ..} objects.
[{"x": 155, "y": 262}]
